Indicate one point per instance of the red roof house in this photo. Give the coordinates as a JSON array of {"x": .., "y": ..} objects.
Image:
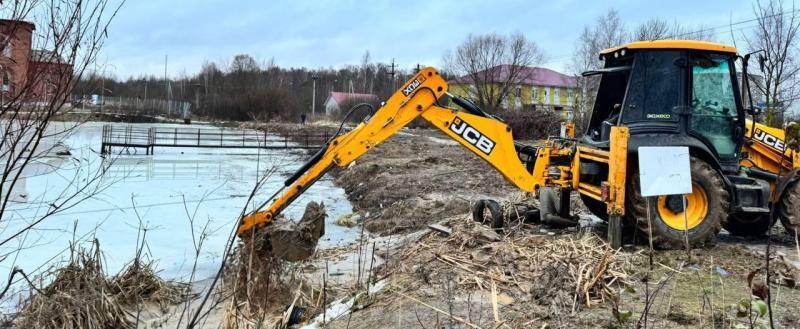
[
  {"x": 338, "y": 101},
  {"x": 534, "y": 76}
]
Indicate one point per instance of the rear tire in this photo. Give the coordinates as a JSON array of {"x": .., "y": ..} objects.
[
  {"x": 789, "y": 208},
  {"x": 495, "y": 215},
  {"x": 668, "y": 233},
  {"x": 597, "y": 208},
  {"x": 748, "y": 224}
]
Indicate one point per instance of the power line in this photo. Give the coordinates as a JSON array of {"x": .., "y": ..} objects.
[
  {"x": 702, "y": 30},
  {"x": 730, "y": 25}
]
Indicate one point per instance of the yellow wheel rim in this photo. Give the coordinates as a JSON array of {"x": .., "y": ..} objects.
[{"x": 696, "y": 210}]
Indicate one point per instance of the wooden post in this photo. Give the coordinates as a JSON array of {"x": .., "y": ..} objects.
[{"x": 615, "y": 231}]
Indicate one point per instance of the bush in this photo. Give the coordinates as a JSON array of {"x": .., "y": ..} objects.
[
  {"x": 263, "y": 105},
  {"x": 533, "y": 125}
]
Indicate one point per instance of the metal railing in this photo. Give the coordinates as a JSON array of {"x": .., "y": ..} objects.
[
  {"x": 149, "y": 138},
  {"x": 132, "y": 106}
]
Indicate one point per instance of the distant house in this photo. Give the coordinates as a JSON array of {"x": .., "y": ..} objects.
[
  {"x": 535, "y": 88},
  {"x": 337, "y": 102},
  {"x": 38, "y": 73}
]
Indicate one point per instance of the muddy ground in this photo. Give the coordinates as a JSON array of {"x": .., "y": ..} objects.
[{"x": 527, "y": 276}]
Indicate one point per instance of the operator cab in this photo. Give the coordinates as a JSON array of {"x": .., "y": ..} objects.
[{"x": 670, "y": 93}]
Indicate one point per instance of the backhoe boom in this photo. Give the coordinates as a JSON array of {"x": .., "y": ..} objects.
[{"x": 485, "y": 136}]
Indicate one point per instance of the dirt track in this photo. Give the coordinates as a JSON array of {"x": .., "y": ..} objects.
[
  {"x": 529, "y": 276},
  {"x": 418, "y": 178}
]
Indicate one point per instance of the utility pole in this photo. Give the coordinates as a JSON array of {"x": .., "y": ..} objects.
[
  {"x": 392, "y": 73},
  {"x": 168, "y": 89},
  {"x": 144, "y": 104},
  {"x": 103, "y": 90},
  {"x": 314, "y": 95}
]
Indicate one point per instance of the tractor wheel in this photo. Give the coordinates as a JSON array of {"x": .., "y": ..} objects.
[
  {"x": 748, "y": 224},
  {"x": 494, "y": 217},
  {"x": 789, "y": 208},
  {"x": 597, "y": 208},
  {"x": 706, "y": 210}
]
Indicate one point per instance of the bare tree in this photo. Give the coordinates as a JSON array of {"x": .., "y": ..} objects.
[
  {"x": 606, "y": 32},
  {"x": 366, "y": 72},
  {"x": 609, "y": 31},
  {"x": 492, "y": 64},
  {"x": 776, "y": 34},
  {"x": 659, "y": 29},
  {"x": 244, "y": 63},
  {"x": 68, "y": 35}
]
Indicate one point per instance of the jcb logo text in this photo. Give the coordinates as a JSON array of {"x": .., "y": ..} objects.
[
  {"x": 472, "y": 136},
  {"x": 771, "y": 141}
]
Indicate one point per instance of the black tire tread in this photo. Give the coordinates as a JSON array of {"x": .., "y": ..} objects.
[
  {"x": 597, "y": 208},
  {"x": 700, "y": 236},
  {"x": 495, "y": 211},
  {"x": 789, "y": 208}
]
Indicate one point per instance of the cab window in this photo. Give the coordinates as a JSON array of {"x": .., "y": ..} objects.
[
  {"x": 713, "y": 101},
  {"x": 655, "y": 87},
  {"x": 712, "y": 89}
]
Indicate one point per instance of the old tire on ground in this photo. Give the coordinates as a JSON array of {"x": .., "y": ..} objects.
[
  {"x": 597, "y": 208},
  {"x": 494, "y": 217},
  {"x": 748, "y": 224},
  {"x": 706, "y": 209},
  {"x": 789, "y": 208}
]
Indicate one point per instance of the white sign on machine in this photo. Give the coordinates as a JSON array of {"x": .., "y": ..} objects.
[{"x": 664, "y": 170}]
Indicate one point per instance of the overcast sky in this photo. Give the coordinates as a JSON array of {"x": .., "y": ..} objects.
[{"x": 334, "y": 33}]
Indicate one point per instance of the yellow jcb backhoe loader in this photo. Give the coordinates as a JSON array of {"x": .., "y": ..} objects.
[{"x": 653, "y": 93}]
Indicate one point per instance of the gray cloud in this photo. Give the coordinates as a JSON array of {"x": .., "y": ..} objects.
[{"x": 334, "y": 33}]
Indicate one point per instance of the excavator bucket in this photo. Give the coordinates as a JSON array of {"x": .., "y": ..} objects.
[{"x": 290, "y": 241}]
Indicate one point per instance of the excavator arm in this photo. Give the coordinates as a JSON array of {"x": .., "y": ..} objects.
[{"x": 484, "y": 135}]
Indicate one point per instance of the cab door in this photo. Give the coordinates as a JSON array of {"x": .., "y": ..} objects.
[{"x": 714, "y": 103}]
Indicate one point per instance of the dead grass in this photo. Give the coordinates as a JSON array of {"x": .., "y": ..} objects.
[
  {"x": 260, "y": 285},
  {"x": 139, "y": 283},
  {"x": 547, "y": 278},
  {"x": 80, "y": 296},
  {"x": 264, "y": 278}
]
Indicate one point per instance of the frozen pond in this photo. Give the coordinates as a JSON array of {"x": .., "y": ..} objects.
[{"x": 162, "y": 191}]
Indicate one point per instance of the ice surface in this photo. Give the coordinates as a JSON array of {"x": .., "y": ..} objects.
[{"x": 167, "y": 188}]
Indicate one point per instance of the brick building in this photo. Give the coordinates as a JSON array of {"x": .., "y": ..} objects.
[{"x": 27, "y": 74}]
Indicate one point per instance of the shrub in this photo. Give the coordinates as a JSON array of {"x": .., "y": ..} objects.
[{"x": 533, "y": 125}]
